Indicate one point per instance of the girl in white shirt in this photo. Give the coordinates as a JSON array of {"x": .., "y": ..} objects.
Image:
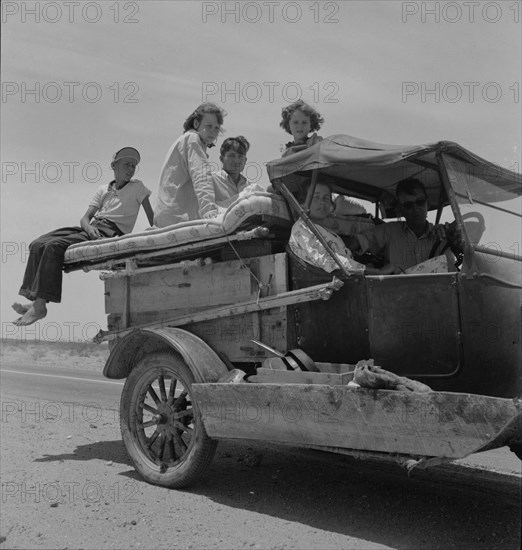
[{"x": 186, "y": 189}]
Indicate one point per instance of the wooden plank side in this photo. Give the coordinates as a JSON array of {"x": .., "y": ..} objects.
[
  {"x": 198, "y": 286},
  {"x": 232, "y": 335},
  {"x": 213, "y": 284},
  {"x": 433, "y": 424},
  {"x": 271, "y": 271},
  {"x": 115, "y": 321}
]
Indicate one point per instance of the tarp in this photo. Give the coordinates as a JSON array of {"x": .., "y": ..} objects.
[{"x": 371, "y": 170}]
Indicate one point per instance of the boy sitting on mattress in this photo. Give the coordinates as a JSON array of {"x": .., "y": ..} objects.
[{"x": 112, "y": 212}]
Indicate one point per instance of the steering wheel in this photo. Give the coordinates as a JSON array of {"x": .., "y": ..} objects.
[
  {"x": 475, "y": 229},
  {"x": 451, "y": 241}
]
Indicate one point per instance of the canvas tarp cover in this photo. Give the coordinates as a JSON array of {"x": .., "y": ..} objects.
[{"x": 371, "y": 170}]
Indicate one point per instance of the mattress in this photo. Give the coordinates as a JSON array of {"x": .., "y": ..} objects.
[{"x": 246, "y": 212}]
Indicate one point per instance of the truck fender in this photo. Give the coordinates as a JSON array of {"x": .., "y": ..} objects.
[{"x": 204, "y": 363}]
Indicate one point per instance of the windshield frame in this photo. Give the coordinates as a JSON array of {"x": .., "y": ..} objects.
[{"x": 456, "y": 197}]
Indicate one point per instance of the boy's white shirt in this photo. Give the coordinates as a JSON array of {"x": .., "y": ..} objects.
[
  {"x": 120, "y": 206},
  {"x": 227, "y": 191}
]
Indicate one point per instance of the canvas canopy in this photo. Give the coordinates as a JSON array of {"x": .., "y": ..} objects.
[{"x": 370, "y": 170}]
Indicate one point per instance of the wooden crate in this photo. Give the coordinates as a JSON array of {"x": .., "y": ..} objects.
[
  {"x": 232, "y": 335},
  {"x": 187, "y": 289},
  {"x": 160, "y": 295}
]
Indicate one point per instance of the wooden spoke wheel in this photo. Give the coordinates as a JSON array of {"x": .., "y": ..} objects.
[{"x": 161, "y": 426}]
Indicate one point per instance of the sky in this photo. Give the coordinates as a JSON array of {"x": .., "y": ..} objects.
[{"x": 81, "y": 79}]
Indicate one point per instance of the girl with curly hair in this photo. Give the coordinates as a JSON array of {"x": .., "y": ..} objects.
[{"x": 299, "y": 119}]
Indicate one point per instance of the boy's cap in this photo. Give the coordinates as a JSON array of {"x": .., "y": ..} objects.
[{"x": 127, "y": 153}]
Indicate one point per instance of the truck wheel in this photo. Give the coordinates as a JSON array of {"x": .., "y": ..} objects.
[{"x": 161, "y": 426}]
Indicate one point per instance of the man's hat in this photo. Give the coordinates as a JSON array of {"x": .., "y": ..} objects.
[{"x": 127, "y": 153}]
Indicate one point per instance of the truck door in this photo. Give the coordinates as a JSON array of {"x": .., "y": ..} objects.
[{"x": 413, "y": 324}]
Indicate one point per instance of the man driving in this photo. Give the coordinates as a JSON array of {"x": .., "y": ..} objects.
[{"x": 405, "y": 244}]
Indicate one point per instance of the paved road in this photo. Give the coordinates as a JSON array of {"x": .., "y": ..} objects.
[{"x": 254, "y": 496}]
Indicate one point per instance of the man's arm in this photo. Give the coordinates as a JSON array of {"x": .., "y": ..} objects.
[
  {"x": 448, "y": 233},
  {"x": 373, "y": 240},
  {"x": 85, "y": 224}
]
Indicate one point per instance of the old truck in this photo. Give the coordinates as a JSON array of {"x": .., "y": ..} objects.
[{"x": 197, "y": 312}]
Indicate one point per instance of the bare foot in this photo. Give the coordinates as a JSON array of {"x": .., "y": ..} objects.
[
  {"x": 31, "y": 316},
  {"x": 21, "y": 309}
]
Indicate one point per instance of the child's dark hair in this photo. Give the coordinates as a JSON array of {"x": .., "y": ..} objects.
[
  {"x": 238, "y": 144},
  {"x": 315, "y": 118},
  {"x": 201, "y": 111}
]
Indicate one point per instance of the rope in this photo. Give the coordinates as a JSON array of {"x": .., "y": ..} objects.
[{"x": 260, "y": 285}]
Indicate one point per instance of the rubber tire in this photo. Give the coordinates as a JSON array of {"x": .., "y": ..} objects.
[{"x": 201, "y": 449}]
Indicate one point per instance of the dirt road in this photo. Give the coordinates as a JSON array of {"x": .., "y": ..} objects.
[{"x": 67, "y": 482}]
